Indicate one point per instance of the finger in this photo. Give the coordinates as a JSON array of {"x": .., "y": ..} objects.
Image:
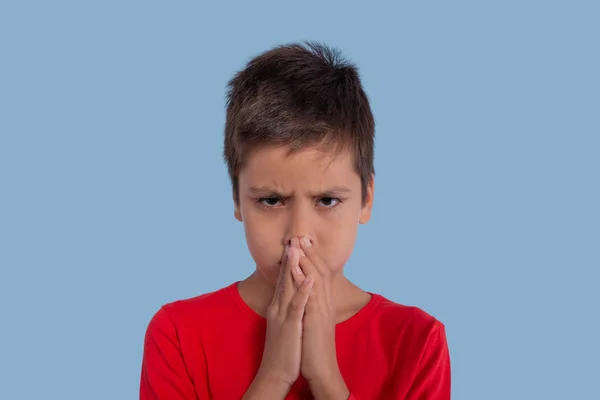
[
  {"x": 309, "y": 251},
  {"x": 298, "y": 303},
  {"x": 284, "y": 256},
  {"x": 284, "y": 259},
  {"x": 309, "y": 268},
  {"x": 287, "y": 289},
  {"x": 282, "y": 272},
  {"x": 298, "y": 275},
  {"x": 317, "y": 290},
  {"x": 312, "y": 265}
]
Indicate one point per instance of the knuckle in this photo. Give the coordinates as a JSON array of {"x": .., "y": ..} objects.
[{"x": 272, "y": 312}]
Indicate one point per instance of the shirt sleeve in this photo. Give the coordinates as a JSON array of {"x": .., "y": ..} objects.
[
  {"x": 432, "y": 380},
  {"x": 164, "y": 373}
]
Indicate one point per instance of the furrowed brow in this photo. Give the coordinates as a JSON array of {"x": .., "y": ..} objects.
[
  {"x": 334, "y": 191},
  {"x": 264, "y": 191},
  {"x": 270, "y": 192}
]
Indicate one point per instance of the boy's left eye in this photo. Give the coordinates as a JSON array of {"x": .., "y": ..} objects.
[{"x": 329, "y": 200}]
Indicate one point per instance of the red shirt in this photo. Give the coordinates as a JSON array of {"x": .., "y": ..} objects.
[{"x": 210, "y": 347}]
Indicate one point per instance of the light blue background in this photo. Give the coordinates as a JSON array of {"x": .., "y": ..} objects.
[{"x": 114, "y": 198}]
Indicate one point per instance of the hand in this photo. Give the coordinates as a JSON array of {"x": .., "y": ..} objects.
[
  {"x": 283, "y": 344},
  {"x": 319, "y": 360}
]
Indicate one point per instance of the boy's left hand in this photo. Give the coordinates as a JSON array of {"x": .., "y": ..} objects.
[{"x": 319, "y": 364}]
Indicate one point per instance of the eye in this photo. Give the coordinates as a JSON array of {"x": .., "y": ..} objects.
[
  {"x": 268, "y": 202},
  {"x": 327, "y": 202}
]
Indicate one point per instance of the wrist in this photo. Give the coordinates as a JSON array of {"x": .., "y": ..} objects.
[
  {"x": 267, "y": 385},
  {"x": 331, "y": 387}
]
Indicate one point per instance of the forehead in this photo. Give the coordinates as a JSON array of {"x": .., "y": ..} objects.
[{"x": 310, "y": 164}]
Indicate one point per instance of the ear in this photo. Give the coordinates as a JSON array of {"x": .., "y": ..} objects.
[
  {"x": 237, "y": 212},
  {"x": 365, "y": 212}
]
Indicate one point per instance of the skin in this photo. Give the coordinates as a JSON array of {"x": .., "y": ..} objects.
[{"x": 284, "y": 199}]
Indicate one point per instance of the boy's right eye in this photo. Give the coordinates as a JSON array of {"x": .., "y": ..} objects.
[{"x": 268, "y": 202}]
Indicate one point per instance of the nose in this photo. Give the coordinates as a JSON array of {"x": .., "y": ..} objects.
[{"x": 298, "y": 225}]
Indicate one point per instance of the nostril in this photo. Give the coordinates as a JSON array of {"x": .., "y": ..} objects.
[{"x": 289, "y": 241}]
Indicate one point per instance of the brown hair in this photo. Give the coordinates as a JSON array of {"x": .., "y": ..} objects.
[{"x": 299, "y": 96}]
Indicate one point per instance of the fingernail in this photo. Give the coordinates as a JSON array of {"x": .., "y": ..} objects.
[
  {"x": 297, "y": 270},
  {"x": 286, "y": 251},
  {"x": 306, "y": 241},
  {"x": 295, "y": 242}
]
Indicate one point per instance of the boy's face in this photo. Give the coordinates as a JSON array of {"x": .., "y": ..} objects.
[{"x": 309, "y": 193}]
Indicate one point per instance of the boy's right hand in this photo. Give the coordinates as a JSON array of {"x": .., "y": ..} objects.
[{"x": 283, "y": 344}]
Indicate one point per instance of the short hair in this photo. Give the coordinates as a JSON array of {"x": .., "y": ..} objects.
[{"x": 299, "y": 95}]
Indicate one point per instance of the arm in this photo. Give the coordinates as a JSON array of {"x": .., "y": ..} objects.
[
  {"x": 164, "y": 373},
  {"x": 265, "y": 388},
  {"x": 333, "y": 388},
  {"x": 432, "y": 380}
]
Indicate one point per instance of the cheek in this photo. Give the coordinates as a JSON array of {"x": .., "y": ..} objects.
[
  {"x": 262, "y": 241},
  {"x": 339, "y": 247}
]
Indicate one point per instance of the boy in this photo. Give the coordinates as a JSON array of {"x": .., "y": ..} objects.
[{"x": 299, "y": 139}]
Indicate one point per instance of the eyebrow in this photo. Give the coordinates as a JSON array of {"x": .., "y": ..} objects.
[{"x": 267, "y": 191}]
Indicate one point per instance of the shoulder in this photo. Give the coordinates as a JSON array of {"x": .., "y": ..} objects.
[
  {"x": 417, "y": 349},
  {"x": 406, "y": 324},
  {"x": 401, "y": 316},
  {"x": 189, "y": 313}
]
